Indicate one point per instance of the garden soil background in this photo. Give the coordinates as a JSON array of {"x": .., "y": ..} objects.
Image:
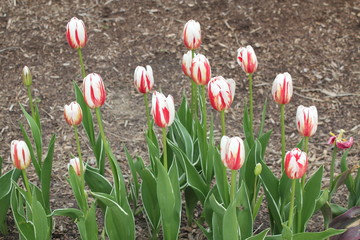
[{"x": 317, "y": 42}]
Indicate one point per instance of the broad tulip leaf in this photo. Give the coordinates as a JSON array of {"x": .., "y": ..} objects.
[
  {"x": 191, "y": 201},
  {"x": 99, "y": 153},
  {"x": 243, "y": 212},
  {"x": 73, "y": 213},
  {"x": 249, "y": 136},
  {"x": 39, "y": 219},
  {"x": 46, "y": 175},
  {"x": 5, "y": 183},
  {"x": 183, "y": 139},
  {"x": 87, "y": 225},
  {"x": 217, "y": 223},
  {"x": 230, "y": 223},
  {"x": 264, "y": 140},
  {"x": 216, "y": 206},
  {"x": 184, "y": 114},
  {"x": 134, "y": 186},
  {"x": 96, "y": 181},
  {"x": 203, "y": 145},
  {"x": 221, "y": 179},
  {"x": 317, "y": 235},
  {"x": 257, "y": 206},
  {"x": 259, "y": 236},
  {"x": 78, "y": 189}
]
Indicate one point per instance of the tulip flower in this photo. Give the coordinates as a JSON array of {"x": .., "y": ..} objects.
[
  {"x": 192, "y": 35},
  {"x": 282, "y": 88},
  {"x": 20, "y": 154},
  {"x": 163, "y": 109},
  {"x": 94, "y": 90},
  {"x": 76, "y": 33},
  {"x": 143, "y": 79},
  {"x": 247, "y": 59},
  {"x": 73, "y": 113},
  {"x": 75, "y": 163},
  {"x": 200, "y": 70},
  {"x": 186, "y": 63},
  {"x": 306, "y": 120},
  {"x": 221, "y": 92}
]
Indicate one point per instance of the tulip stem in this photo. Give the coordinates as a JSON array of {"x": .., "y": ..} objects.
[
  {"x": 332, "y": 169},
  {"x": 254, "y": 197},
  {"x": 306, "y": 151},
  {"x": 233, "y": 185},
  {"x": 223, "y": 127},
  {"x": 31, "y": 102},
  {"x": 283, "y": 144},
  {"x": 251, "y": 102},
  {"x": 83, "y": 74},
  {"x": 204, "y": 114},
  {"x": 164, "y": 148},
  {"x": 26, "y": 183},
  {"x": 79, "y": 153},
  {"x": 102, "y": 133},
  {"x": 292, "y": 203},
  {"x": 147, "y": 110}
]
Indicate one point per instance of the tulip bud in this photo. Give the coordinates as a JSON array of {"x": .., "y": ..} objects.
[
  {"x": 75, "y": 163},
  {"x": 94, "y": 90},
  {"x": 200, "y": 70},
  {"x": 247, "y": 59},
  {"x": 296, "y": 162},
  {"x": 76, "y": 33},
  {"x": 73, "y": 114},
  {"x": 258, "y": 169},
  {"x": 221, "y": 92},
  {"x": 143, "y": 79},
  {"x": 192, "y": 34},
  {"x": 306, "y": 120},
  {"x": 20, "y": 154},
  {"x": 186, "y": 63},
  {"x": 232, "y": 152},
  {"x": 282, "y": 88},
  {"x": 26, "y": 76},
  {"x": 163, "y": 109}
]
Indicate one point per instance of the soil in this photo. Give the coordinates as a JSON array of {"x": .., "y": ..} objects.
[{"x": 317, "y": 42}]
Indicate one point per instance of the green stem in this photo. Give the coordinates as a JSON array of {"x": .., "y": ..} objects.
[
  {"x": 147, "y": 110},
  {"x": 204, "y": 113},
  {"x": 223, "y": 126},
  {"x": 26, "y": 183},
  {"x": 31, "y": 102},
  {"x": 79, "y": 154},
  {"x": 254, "y": 197},
  {"x": 233, "y": 185},
  {"x": 251, "y": 102},
  {"x": 164, "y": 148},
  {"x": 306, "y": 151},
  {"x": 292, "y": 203},
  {"x": 83, "y": 74},
  {"x": 101, "y": 128},
  {"x": 332, "y": 168},
  {"x": 283, "y": 144}
]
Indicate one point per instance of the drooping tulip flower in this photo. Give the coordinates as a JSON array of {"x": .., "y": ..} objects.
[
  {"x": 192, "y": 34},
  {"x": 26, "y": 76},
  {"x": 143, "y": 79},
  {"x": 232, "y": 152},
  {"x": 247, "y": 59},
  {"x": 296, "y": 162},
  {"x": 163, "y": 109},
  {"x": 186, "y": 63},
  {"x": 75, "y": 163},
  {"x": 282, "y": 88},
  {"x": 306, "y": 120},
  {"x": 76, "y": 33},
  {"x": 20, "y": 154},
  {"x": 200, "y": 70},
  {"x": 221, "y": 92},
  {"x": 73, "y": 113},
  {"x": 339, "y": 141},
  {"x": 94, "y": 90}
]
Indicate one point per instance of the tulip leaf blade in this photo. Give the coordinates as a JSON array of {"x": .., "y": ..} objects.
[
  {"x": 73, "y": 213},
  {"x": 40, "y": 220},
  {"x": 244, "y": 212},
  {"x": 230, "y": 223},
  {"x": 317, "y": 235},
  {"x": 221, "y": 179},
  {"x": 87, "y": 225},
  {"x": 259, "y": 236},
  {"x": 249, "y": 135}
]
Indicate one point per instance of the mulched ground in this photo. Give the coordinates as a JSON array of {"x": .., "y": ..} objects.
[{"x": 317, "y": 42}]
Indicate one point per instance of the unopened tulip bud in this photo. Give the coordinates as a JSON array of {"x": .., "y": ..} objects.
[
  {"x": 76, "y": 33},
  {"x": 26, "y": 76},
  {"x": 20, "y": 154},
  {"x": 282, "y": 88},
  {"x": 306, "y": 120},
  {"x": 232, "y": 152},
  {"x": 75, "y": 163},
  {"x": 221, "y": 92},
  {"x": 296, "y": 162},
  {"x": 143, "y": 79},
  {"x": 192, "y": 35},
  {"x": 200, "y": 70},
  {"x": 247, "y": 59},
  {"x": 258, "y": 169},
  {"x": 73, "y": 114},
  {"x": 186, "y": 63},
  {"x": 94, "y": 90},
  {"x": 163, "y": 109}
]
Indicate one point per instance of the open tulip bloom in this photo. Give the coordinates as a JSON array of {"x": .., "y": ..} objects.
[{"x": 192, "y": 35}]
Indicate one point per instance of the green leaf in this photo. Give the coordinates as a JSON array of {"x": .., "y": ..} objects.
[
  {"x": 46, "y": 175},
  {"x": 217, "y": 223},
  {"x": 191, "y": 201},
  {"x": 5, "y": 182},
  {"x": 317, "y": 235},
  {"x": 4, "y": 203},
  {"x": 230, "y": 223},
  {"x": 96, "y": 181},
  {"x": 322, "y": 199},
  {"x": 249, "y": 136},
  {"x": 216, "y": 206},
  {"x": 87, "y": 225},
  {"x": 243, "y": 212},
  {"x": 153, "y": 149},
  {"x": 340, "y": 179},
  {"x": 183, "y": 139},
  {"x": 263, "y": 116},
  {"x": 259, "y": 236},
  {"x": 134, "y": 186},
  {"x": 257, "y": 206},
  {"x": 39, "y": 219},
  {"x": 78, "y": 189},
  {"x": 32, "y": 154},
  {"x": 221, "y": 179},
  {"x": 264, "y": 140},
  {"x": 73, "y": 213},
  {"x": 99, "y": 152},
  {"x": 184, "y": 114},
  {"x": 37, "y": 115}
]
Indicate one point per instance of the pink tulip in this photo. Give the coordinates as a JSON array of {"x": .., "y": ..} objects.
[
  {"x": 94, "y": 90},
  {"x": 221, "y": 92},
  {"x": 73, "y": 114},
  {"x": 192, "y": 34},
  {"x": 186, "y": 63},
  {"x": 232, "y": 152},
  {"x": 75, "y": 163},
  {"x": 296, "y": 163},
  {"x": 306, "y": 120},
  {"x": 143, "y": 79},
  {"x": 247, "y": 59},
  {"x": 282, "y": 88},
  {"x": 20, "y": 154},
  {"x": 200, "y": 70},
  {"x": 76, "y": 33},
  {"x": 163, "y": 109},
  {"x": 339, "y": 141}
]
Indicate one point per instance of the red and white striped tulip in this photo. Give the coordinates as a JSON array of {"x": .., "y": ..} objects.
[
  {"x": 200, "y": 70},
  {"x": 163, "y": 109},
  {"x": 76, "y": 33},
  {"x": 73, "y": 114},
  {"x": 247, "y": 59},
  {"x": 232, "y": 152},
  {"x": 296, "y": 163},
  {"x": 306, "y": 120},
  {"x": 143, "y": 79},
  {"x": 339, "y": 141},
  {"x": 94, "y": 90},
  {"x": 186, "y": 63},
  {"x": 282, "y": 88},
  {"x": 221, "y": 92},
  {"x": 20, "y": 154},
  {"x": 75, "y": 163},
  {"x": 192, "y": 34}
]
